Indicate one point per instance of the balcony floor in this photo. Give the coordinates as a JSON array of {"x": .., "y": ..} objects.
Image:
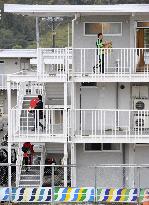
[
  {"x": 39, "y": 136},
  {"x": 134, "y": 136},
  {"x": 111, "y": 77}
]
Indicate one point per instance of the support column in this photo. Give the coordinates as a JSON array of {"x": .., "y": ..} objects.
[
  {"x": 73, "y": 146},
  {"x": 9, "y": 131},
  {"x": 73, "y": 163},
  {"x": 65, "y": 134},
  {"x": 131, "y": 179}
]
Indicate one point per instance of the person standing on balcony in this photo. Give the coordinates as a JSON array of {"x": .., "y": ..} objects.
[
  {"x": 38, "y": 114},
  {"x": 100, "y": 52}
]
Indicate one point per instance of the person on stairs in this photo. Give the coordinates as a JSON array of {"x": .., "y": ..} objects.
[{"x": 38, "y": 114}]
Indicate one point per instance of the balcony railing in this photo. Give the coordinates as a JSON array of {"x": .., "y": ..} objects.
[
  {"x": 54, "y": 62},
  {"x": 110, "y": 63},
  {"x": 37, "y": 125},
  {"x": 109, "y": 126},
  {"x": 90, "y": 64}
]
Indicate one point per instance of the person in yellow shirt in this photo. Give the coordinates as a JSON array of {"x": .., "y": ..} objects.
[{"x": 100, "y": 51}]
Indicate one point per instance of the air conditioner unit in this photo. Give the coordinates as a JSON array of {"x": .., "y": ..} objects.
[
  {"x": 141, "y": 122},
  {"x": 141, "y": 104}
]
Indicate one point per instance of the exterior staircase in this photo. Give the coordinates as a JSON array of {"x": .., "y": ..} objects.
[
  {"x": 24, "y": 122},
  {"x": 34, "y": 176},
  {"x": 30, "y": 178}
]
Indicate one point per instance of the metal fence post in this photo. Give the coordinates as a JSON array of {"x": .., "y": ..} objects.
[
  {"x": 138, "y": 187},
  {"x": 95, "y": 183},
  {"x": 9, "y": 183},
  {"x": 53, "y": 184}
]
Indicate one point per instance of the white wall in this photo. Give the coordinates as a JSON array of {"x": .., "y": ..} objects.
[
  {"x": 107, "y": 177},
  {"x": 81, "y": 41},
  {"x": 4, "y": 101},
  {"x": 142, "y": 157},
  {"x": 13, "y": 65},
  {"x": 104, "y": 97}
]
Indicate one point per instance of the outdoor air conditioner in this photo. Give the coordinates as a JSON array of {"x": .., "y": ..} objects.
[
  {"x": 141, "y": 104},
  {"x": 141, "y": 122}
]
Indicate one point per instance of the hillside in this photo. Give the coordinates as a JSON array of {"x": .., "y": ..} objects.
[{"x": 19, "y": 32}]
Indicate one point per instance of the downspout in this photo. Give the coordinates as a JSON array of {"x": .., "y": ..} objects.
[
  {"x": 123, "y": 145},
  {"x": 73, "y": 105},
  {"x": 37, "y": 31},
  {"x": 73, "y": 22},
  {"x": 124, "y": 162}
]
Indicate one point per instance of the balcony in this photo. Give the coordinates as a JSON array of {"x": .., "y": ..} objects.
[
  {"x": 115, "y": 65},
  {"x": 26, "y": 126},
  {"x": 84, "y": 65},
  {"x": 108, "y": 126}
]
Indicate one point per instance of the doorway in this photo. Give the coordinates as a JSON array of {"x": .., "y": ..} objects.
[{"x": 142, "y": 42}]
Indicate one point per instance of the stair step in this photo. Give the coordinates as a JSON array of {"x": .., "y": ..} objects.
[
  {"x": 29, "y": 185},
  {"x": 30, "y": 177},
  {"x": 30, "y": 180}
]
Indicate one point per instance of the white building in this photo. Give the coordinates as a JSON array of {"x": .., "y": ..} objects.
[{"x": 91, "y": 118}]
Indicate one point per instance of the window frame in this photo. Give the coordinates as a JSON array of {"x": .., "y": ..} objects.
[
  {"x": 89, "y": 35},
  {"x": 90, "y": 151}
]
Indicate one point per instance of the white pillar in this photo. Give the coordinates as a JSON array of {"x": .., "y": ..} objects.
[
  {"x": 73, "y": 163},
  {"x": 9, "y": 130},
  {"x": 73, "y": 146},
  {"x": 65, "y": 134},
  {"x": 131, "y": 179}
]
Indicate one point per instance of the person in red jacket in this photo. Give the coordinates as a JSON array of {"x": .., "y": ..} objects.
[{"x": 28, "y": 147}]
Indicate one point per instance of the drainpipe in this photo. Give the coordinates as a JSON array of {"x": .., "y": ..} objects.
[
  {"x": 124, "y": 161},
  {"x": 37, "y": 31},
  {"x": 123, "y": 145},
  {"x": 73, "y": 106},
  {"x": 73, "y": 21}
]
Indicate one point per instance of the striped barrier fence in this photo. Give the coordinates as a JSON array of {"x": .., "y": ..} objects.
[
  {"x": 80, "y": 194},
  {"x": 144, "y": 195},
  {"x": 84, "y": 194},
  {"x": 116, "y": 195},
  {"x": 4, "y": 194},
  {"x": 42, "y": 194}
]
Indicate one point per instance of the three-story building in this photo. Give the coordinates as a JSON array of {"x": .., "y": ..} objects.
[{"x": 93, "y": 117}]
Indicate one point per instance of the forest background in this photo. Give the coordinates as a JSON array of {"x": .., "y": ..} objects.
[{"x": 19, "y": 31}]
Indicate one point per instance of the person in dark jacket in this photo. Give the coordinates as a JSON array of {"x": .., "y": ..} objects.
[{"x": 38, "y": 113}]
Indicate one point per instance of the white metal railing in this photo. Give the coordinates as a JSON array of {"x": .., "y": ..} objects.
[
  {"x": 54, "y": 62},
  {"x": 110, "y": 62},
  {"x": 115, "y": 63},
  {"x": 20, "y": 95},
  {"x": 35, "y": 88},
  {"x": 101, "y": 124},
  {"x": 36, "y": 123}
]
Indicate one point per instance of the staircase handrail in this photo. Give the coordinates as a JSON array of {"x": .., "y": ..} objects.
[
  {"x": 20, "y": 95},
  {"x": 19, "y": 164},
  {"x": 42, "y": 162}
]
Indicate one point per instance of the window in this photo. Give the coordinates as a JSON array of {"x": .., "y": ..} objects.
[
  {"x": 94, "y": 147},
  {"x": 89, "y": 84},
  {"x": 143, "y": 24},
  {"x": 107, "y": 28},
  {"x": 1, "y": 61}
]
